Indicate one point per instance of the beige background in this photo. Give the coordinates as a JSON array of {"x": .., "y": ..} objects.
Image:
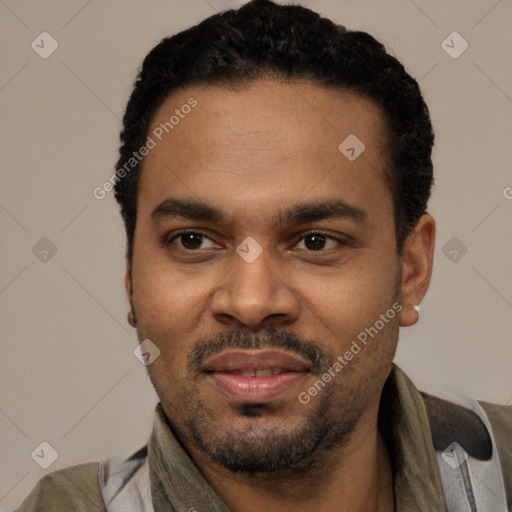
[{"x": 68, "y": 374}]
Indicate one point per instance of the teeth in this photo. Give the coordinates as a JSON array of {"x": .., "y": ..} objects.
[{"x": 263, "y": 373}]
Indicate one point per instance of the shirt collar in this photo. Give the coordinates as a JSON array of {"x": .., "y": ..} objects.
[{"x": 175, "y": 479}]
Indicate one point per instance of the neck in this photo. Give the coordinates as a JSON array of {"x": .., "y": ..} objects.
[{"x": 355, "y": 477}]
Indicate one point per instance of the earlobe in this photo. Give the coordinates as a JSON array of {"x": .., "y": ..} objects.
[
  {"x": 417, "y": 261},
  {"x": 409, "y": 315},
  {"x": 132, "y": 320}
]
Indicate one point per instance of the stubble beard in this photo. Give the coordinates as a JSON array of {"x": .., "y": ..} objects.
[{"x": 253, "y": 448}]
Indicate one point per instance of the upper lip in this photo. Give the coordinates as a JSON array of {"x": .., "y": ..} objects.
[{"x": 259, "y": 359}]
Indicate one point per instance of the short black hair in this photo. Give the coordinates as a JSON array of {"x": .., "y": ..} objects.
[{"x": 285, "y": 42}]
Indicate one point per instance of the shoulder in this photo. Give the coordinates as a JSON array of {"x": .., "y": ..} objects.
[
  {"x": 74, "y": 488},
  {"x": 500, "y": 417},
  {"x": 451, "y": 421}
]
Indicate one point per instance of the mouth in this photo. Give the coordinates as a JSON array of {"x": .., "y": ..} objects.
[{"x": 255, "y": 376}]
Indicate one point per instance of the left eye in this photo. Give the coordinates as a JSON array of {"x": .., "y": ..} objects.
[
  {"x": 192, "y": 240},
  {"x": 317, "y": 242}
]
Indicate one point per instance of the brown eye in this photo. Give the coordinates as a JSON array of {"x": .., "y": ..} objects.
[
  {"x": 315, "y": 242},
  {"x": 191, "y": 240}
]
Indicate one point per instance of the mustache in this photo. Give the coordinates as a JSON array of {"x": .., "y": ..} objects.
[{"x": 264, "y": 338}]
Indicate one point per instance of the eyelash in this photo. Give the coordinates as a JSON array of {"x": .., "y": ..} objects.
[{"x": 170, "y": 240}]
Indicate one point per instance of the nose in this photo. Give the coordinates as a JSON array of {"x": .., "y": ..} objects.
[{"x": 254, "y": 295}]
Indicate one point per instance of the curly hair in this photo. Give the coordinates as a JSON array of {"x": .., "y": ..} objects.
[{"x": 286, "y": 42}]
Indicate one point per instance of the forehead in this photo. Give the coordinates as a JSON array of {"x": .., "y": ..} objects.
[{"x": 264, "y": 144}]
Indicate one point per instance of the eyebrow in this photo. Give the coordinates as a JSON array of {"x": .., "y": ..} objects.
[
  {"x": 319, "y": 210},
  {"x": 187, "y": 209},
  {"x": 300, "y": 213}
]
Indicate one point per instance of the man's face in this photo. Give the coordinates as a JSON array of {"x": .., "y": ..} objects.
[{"x": 261, "y": 253}]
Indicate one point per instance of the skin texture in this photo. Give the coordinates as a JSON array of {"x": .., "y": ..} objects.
[{"x": 253, "y": 153}]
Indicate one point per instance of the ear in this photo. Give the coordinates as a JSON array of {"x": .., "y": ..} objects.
[
  {"x": 417, "y": 261},
  {"x": 128, "y": 288}
]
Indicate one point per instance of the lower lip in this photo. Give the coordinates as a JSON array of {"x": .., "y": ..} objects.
[{"x": 255, "y": 389}]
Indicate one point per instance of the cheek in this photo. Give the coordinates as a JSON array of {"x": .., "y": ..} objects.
[
  {"x": 166, "y": 301},
  {"x": 350, "y": 300}
]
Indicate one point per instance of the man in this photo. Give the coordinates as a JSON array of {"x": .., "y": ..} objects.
[{"x": 273, "y": 177}]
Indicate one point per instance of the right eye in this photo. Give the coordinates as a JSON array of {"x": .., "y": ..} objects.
[{"x": 191, "y": 240}]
